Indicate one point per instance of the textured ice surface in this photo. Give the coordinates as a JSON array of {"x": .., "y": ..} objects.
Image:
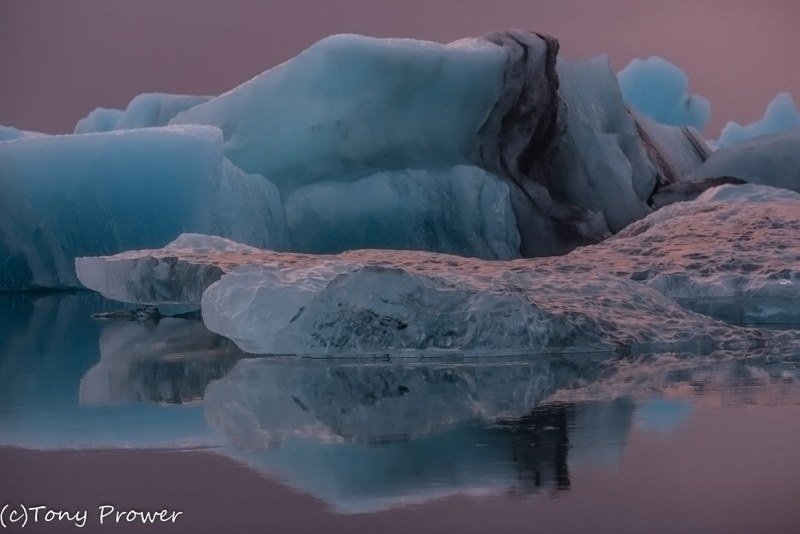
[
  {"x": 351, "y": 104},
  {"x": 772, "y": 160},
  {"x": 675, "y": 152},
  {"x": 781, "y": 115},
  {"x": 145, "y": 110},
  {"x": 660, "y": 90},
  {"x": 463, "y": 210},
  {"x": 176, "y": 274},
  {"x": 359, "y": 109},
  {"x": 78, "y": 195},
  {"x": 733, "y": 260}
]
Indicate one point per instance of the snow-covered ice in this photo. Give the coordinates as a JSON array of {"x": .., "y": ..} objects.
[
  {"x": 660, "y": 90},
  {"x": 76, "y": 195}
]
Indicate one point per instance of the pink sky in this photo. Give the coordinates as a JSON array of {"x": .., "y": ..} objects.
[{"x": 60, "y": 60}]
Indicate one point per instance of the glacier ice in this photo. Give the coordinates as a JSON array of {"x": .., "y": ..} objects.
[
  {"x": 350, "y": 105},
  {"x": 145, "y": 110},
  {"x": 741, "y": 268},
  {"x": 772, "y": 160},
  {"x": 572, "y": 157},
  {"x": 660, "y": 90},
  {"x": 76, "y": 195},
  {"x": 781, "y": 115},
  {"x": 490, "y": 147},
  {"x": 463, "y": 210}
]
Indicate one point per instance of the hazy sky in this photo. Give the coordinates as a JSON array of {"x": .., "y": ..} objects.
[{"x": 61, "y": 59}]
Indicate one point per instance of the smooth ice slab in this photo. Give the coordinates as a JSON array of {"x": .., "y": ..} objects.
[
  {"x": 145, "y": 110},
  {"x": 781, "y": 115},
  {"x": 772, "y": 160},
  {"x": 660, "y": 90},
  {"x": 77, "y": 195}
]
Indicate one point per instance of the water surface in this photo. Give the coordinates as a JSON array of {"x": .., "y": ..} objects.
[{"x": 168, "y": 415}]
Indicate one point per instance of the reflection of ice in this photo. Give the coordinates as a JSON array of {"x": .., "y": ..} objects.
[
  {"x": 262, "y": 402},
  {"x": 369, "y": 436},
  {"x": 360, "y": 435},
  {"x": 517, "y": 456},
  {"x": 171, "y": 361},
  {"x": 47, "y": 342}
]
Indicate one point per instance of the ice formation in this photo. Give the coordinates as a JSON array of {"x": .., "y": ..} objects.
[
  {"x": 574, "y": 162},
  {"x": 781, "y": 115},
  {"x": 78, "y": 195},
  {"x": 490, "y": 147},
  {"x": 741, "y": 268},
  {"x": 772, "y": 160},
  {"x": 660, "y": 90},
  {"x": 145, "y": 110}
]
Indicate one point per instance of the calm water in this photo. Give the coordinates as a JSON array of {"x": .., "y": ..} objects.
[{"x": 170, "y": 416}]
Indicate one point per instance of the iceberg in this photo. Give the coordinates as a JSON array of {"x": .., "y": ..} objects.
[
  {"x": 145, "y": 110},
  {"x": 741, "y": 268},
  {"x": 781, "y": 115},
  {"x": 771, "y": 160},
  {"x": 659, "y": 90},
  {"x": 490, "y": 147},
  {"x": 572, "y": 157},
  {"x": 75, "y": 195}
]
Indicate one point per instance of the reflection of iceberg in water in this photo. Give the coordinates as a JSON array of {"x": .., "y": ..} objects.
[
  {"x": 515, "y": 456},
  {"x": 47, "y": 343},
  {"x": 368, "y": 437},
  {"x": 358, "y": 435},
  {"x": 171, "y": 361}
]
